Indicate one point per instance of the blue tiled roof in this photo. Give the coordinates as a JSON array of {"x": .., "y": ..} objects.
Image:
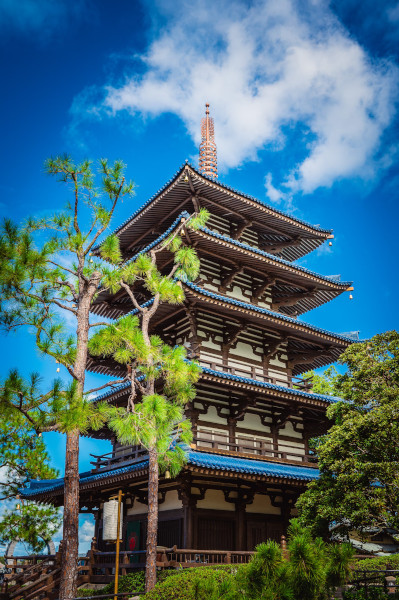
[
  {"x": 255, "y": 308},
  {"x": 159, "y": 239},
  {"x": 50, "y": 485},
  {"x": 271, "y": 386},
  {"x": 224, "y": 375},
  {"x": 219, "y": 236},
  {"x": 224, "y": 186},
  {"x": 264, "y": 311},
  {"x": 330, "y": 278},
  {"x": 256, "y": 467},
  {"x": 199, "y": 459}
]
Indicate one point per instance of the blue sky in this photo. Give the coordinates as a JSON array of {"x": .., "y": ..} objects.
[{"x": 303, "y": 95}]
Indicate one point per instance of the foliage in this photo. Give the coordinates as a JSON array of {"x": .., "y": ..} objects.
[
  {"x": 23, "y": 456},
  {"x": 160, "y": 376},
  {"x": 34, "y": 524},
  {"x": 358, "y": 457},
  {"x": 372, "y": 593},
  {"x": 185, "y": 584},
  {"x": 324, "y": 383},
  {"x": 388, "y": 562},
  {"x": 47, "y": 273},
  {"x": 23, "y": 453},
  {"x": 312, "y": 571}
]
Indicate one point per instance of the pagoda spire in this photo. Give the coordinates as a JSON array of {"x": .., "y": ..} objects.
[{"x": 208, "y": 162}]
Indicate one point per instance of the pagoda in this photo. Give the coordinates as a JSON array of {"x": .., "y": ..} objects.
[{"x": 253, "y": 415}]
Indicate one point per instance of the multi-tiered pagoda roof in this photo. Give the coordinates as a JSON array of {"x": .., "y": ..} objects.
[{"x": 241, "y": 320}]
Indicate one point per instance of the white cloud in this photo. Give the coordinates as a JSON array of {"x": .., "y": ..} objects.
[{"x": 266, "y": 68}]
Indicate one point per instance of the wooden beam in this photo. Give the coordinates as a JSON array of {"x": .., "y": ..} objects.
[
  {"x": 277, "y": 246},
  {"x": 168, "y": 216},
  {"x": 240, "y": 229},
  {"x": 293, "y": 299},
  {"x": 261, "y": 289},
  {"x": 273, "y": 347},
  {"x": 241, "y": 216},
  {"x": 306, "y": 357},
  {"x": 232, "y": 336},
  {"x": 228, "y": 279}
]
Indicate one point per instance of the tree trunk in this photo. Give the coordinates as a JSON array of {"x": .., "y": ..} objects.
[
  {"x": 70, "y": 549},
  {"x": 70, "y": 544},
  {"x": 152, "y": 523}
]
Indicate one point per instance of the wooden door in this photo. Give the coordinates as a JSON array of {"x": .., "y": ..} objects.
[
  {"x": 259, "y": 531},
  {"x": 215, "y": 534},
  {"x": 256, "y": 533}
]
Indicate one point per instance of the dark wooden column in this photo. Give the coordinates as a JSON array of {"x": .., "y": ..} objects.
[{"x": 240, "y": 525}]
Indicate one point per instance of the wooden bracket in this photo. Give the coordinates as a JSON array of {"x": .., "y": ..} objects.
[
  {"x": 229, "y": 278},
  {"x": 261, "y": 289},
  {"x": 239, "y": 230}
]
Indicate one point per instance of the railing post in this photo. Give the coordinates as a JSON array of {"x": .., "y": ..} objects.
[
  {"x": 227, "y": 560},
  {"x": 284, "y": 546}
]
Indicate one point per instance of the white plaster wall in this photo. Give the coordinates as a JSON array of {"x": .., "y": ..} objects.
[
  {"x": 252, "y": 422},
  {"x": 210, "y": 344},
  {"x": 214, "y": 499},
  {"x": 137, "y": 509},
  {"x": 244, "y": 351},
  {"x": 171, "y": 501},
  {"x": 288, "y": 429},
  {"x": 263, "y": 505},
  {"x": 212, "y": 416}
]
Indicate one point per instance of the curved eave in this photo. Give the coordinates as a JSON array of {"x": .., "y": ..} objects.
[
  {"x": 270, "y": 390},
  {"x": 213, "y": 465},
  {"x": 299, "y": 333},
  {"x": 176, "y": 195},
  {"x": 257, "y": 315},
  {"x": 288, "y": 274}
]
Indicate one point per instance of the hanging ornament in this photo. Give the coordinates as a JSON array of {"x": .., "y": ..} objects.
[
  {"x": 330, "y": 243},
  {"x": 350, "y": 297},
  {"x": 58, "y": 369},
  {"x": 167, "y": 474}
]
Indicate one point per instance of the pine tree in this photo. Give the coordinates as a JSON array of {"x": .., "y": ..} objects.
[
  {"x": 23, "y": 456},
  {"x": 46, "y": 273},
  {"x": 161, "y": 378}
]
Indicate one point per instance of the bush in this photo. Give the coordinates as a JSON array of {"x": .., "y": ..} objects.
[
  {"x": 190, "y": 584},
  {"x": 378, "y": 562},
  {"x": 373, "y": 593}
]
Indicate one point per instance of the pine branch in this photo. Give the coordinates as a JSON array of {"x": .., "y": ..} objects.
[{"x": 108, "y": 384}]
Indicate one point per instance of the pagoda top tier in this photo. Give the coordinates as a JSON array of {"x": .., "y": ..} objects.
[{"x": 189, "y": 189}]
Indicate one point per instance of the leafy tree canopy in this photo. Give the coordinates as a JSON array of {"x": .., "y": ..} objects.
[{"x": 359, "y": 456}]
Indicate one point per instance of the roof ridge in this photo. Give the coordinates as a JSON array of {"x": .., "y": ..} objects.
[{"x": 225, "y": 186}]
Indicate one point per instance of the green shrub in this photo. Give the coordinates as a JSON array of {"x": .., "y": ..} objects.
[
  {"x": 373, "y": 593},
  {"x": 191, "y": 584},
  {"x": 378, "y": 562}
]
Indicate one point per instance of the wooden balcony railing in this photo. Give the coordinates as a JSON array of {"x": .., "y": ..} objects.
[
  {"x": 263, "y": 449},
  {"x": 121, "y": 457},
  {"x": 251, "y": 372}
]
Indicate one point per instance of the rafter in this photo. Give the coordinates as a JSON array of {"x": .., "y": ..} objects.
[
  {"x": 307, "y": 357},
  {"x": 274, "y": 247},
  {"x": 278, "y": 302}
]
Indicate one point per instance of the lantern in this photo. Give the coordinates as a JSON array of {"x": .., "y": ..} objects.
[{"x": 110, "y": 517}]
